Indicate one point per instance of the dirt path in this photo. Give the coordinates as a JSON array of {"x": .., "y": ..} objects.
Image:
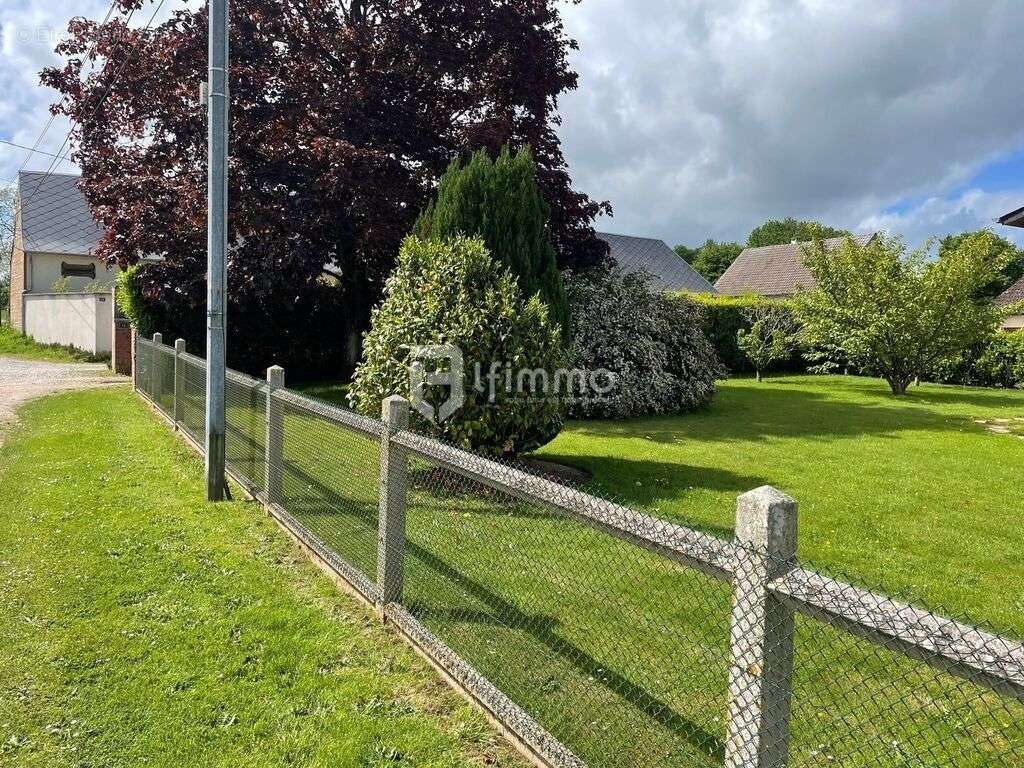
[{"x": 22, "y": 380}]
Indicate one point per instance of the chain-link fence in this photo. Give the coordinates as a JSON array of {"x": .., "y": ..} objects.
[{"x": 599, "y": 635}]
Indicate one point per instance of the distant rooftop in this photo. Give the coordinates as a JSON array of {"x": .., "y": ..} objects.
[
  {"x": 774, "y": 270},
  {"x": 54, "y": 215},
  {"x": 667, "y": 270},
  {"x": 1012, "y": 294},
  {"x": 1013, "y": 218}
]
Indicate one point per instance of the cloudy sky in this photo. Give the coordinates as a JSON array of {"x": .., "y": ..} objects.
[{"x": 700, "y": 118}]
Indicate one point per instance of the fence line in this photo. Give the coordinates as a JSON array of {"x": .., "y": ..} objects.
[{"x": 379, "y": 504}]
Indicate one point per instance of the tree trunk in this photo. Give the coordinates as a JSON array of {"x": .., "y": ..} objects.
[
  {"x": 757, "y": 375},
  {"x": 898, "y": 384}
]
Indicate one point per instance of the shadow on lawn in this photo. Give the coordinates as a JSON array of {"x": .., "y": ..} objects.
[
  {"x": 756, "y": 414},
  {"x": 313, "y": 502}
]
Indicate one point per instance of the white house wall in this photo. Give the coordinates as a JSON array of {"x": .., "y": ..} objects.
[
  {"x": 81, "y": 320},
  {"x": 44, "y": 270}
]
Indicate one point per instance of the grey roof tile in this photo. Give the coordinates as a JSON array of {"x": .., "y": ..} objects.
[
  {"x": 774, "y": 270},
  {"x": 667, "y": 270},
  {"x": 1012, "y": 294},
  {"x": 54, "y": 215}
]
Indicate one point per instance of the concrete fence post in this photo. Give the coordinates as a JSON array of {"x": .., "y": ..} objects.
[
  {"x": 761, "y": 636},
  {"x": 135, "y": 359},
  {"x": 274, "y": 443},
  {"x": 154, "y": 366},
  {"x": 179, "y": 380},
  {"x": 394, "y": 479}
]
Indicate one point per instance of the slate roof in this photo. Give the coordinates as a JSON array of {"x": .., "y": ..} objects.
[
  {"x": 773, "y": 270},
  {"x": 1013, "y": 218},
  {"x": 1012, "y": 294},
  {"x": 667, "y": 270},
  {"x": 54, "y": 215}
]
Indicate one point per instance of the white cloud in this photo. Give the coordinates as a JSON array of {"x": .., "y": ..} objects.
[
  {"x": 937, "y": 216},
  {"x": 703, "y": 118}
]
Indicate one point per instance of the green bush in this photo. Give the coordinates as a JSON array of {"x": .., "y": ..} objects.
[
  {"x": 500, "y": 203},
  {"x": 144, "y": 315},
  {"x": 454, "y": 293},
  {"x": 996, "y": 362},
  {"x": 1002, "y": 362},
  {"x": 650, "y": 342},
  {"x": 723, "y": 319}
]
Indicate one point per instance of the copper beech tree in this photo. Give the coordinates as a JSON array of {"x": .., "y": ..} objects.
[{"x": 344, "y": 113}]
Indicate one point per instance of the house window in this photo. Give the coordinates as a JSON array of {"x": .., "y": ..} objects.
[{"x": 78, "y": 270}]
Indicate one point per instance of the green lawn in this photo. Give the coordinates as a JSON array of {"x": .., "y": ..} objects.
[
  {"x": 139, "y": 625},
  {"x": 623, "y": 656},
  {"x": 13, "y": 344},
  {"x": 907, "y": 493}
]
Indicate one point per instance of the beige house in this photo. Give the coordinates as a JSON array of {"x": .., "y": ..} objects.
[
  {"x": 60, "y": 293},
  {"x": 1015, "y": 293},
  {"x": 775, "y": 271}
]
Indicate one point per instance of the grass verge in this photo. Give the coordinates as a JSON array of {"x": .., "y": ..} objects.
[
  {"x": 14, "y": 344},
  {"x": 624, "y": 656},
  {"x": 143, "y": 626}
]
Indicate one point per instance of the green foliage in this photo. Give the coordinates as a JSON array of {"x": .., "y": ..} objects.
[
  {"x": 145, "y": 315},
  {"x": 686, "y": 253},
  {"x": 893, "y": 312},
  {"x": 500, "y": 203},
  {"x": 724, "y": 317},
  {"x": 713, "y": 258},
  {"x": 782, "y": 231},
  {"x": 14, "y": 344},
  {"x": 5, "y": 298},
  {"x": 773, "y": 335},
  {"x": 1006, "y": 258},
  {"x": 652, "y": 343},
  {"x": 125, "y": 592},
  {"x": 1002, "y": 362},
  {"x": 453, "y": 293}
]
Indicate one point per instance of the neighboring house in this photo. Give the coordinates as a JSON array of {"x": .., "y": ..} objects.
[
  {"x": 666, "y": 268},
  {"x": 1015, "y": 292},
  {"x": 775, "y": 271},
  {"x": 60, "y": 293}
]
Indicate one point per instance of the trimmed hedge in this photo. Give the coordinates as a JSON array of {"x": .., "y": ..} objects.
[
  {"x": 454, "y": 293},
  {"x": 724, "y": 317},
  {"x": 652, "y": 343}
]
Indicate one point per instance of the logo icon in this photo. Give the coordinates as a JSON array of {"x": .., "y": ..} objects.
[{"x": 420, "y": 378}]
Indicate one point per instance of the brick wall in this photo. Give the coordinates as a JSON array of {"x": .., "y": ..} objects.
[{"x": 121, "y": 347}]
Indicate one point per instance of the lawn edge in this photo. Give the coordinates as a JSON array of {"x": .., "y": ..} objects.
[{"x": 520, "y": 745}]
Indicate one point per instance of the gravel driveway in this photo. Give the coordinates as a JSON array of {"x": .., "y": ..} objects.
[{"x": 22, "y": 380}]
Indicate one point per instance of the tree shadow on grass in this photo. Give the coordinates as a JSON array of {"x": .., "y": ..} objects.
[
  {"x": 750, "y": 414},
  {"x": 310, "y": 500},
  {"x": 544, "y": 630}
]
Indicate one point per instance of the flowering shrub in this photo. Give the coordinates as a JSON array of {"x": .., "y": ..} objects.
[{"x": 651, "y": 342}]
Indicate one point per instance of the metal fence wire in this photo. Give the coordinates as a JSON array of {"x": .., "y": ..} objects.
[{"x": 599, "y": 635}]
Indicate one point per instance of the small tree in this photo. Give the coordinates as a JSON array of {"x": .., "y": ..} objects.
[
  {"x": 783, "y": 231},
  {"x": 453, "y": 293},
  {"x": 711, "y": 259},
  {"x": 7, "y": 206},
  {"x": 894, "y": 312},
  {"x": 501, "y": 203},
  {"x": 1007, "y": 259},
  {"x": 773, "y": 335}
]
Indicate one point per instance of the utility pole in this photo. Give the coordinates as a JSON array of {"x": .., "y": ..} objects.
[{"x": 216, "y": 246}]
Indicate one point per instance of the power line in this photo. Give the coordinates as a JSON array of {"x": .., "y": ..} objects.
[
  {"x": 31, "y": 150},
  {"x": 106, "y": 92},
  {"x": 42, "y": 134}
]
